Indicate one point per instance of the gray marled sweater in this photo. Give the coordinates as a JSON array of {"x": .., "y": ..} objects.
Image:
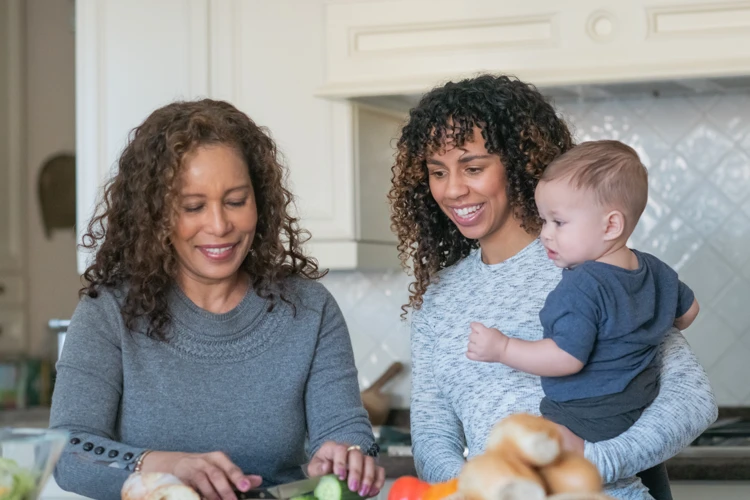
[
  {"x": 249, "y": 382},
  {"x": 455, "y": 401}
]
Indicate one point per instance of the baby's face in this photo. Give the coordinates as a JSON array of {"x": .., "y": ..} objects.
[{"x": 574, "y": 225}]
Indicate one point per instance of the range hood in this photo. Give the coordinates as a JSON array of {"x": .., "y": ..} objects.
[
  {"x": 587, "y": 47},
  {"x": 655, "y": 88}
]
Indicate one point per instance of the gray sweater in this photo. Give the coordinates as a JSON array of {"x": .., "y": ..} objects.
[
  {"x": 251, "y": 383},
  {"x": 456, "y": 401}
]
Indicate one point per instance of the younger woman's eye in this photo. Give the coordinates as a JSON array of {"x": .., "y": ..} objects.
[
  {"x": 474, "y": 170},
  {"x": 237, "y": 203},
  {"x": 437, "y": 174},
  {"x": 558, "y": 223},
  {"x": 192, "y": 208}
]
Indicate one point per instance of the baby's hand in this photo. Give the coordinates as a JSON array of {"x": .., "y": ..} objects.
[{"x": 486, "y": 344}]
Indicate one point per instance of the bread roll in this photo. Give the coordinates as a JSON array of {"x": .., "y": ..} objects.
[
  {"x": 492, "y": 477},
  {"x": 156, "y": 486},
  {"x": 173, "y": 492},
  {"x": 535, "y": 440},
  {"x": 571, "y": 473}
]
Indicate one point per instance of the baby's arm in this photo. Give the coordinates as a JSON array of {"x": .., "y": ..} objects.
[
  {"x": 687, "y": 319},
  {"x": 541, "y": 357}
]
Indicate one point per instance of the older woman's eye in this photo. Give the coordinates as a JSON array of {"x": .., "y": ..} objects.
[
  {"x": 437, "y": 174},
  {"x": 237, "y": 203},
  {"x": 192, "y": 208}
]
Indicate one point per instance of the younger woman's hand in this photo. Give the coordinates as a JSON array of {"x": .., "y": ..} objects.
[
  {"x": 571, "y": 442},
  {"x": 213, "y": 475},
  {"x": 349, "y": 463}
]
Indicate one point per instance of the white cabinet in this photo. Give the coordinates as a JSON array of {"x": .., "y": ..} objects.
[
  {"x": 131, "y": 58},
  {"x": 267, "y": 59},
  {"x": 12, "y": 180},
  {"x": 394, "y": 46}
]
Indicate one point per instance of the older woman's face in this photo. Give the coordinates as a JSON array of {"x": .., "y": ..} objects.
[
  {"x": 469, "y": 185},
  {"x": 217, "y": 215}
]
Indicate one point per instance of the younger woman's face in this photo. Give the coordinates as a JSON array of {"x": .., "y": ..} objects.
[
  {"x": 469, "y": 185},
  {"x": 217, "y": 215}
]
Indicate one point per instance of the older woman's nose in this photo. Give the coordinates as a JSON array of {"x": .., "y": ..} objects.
[{"x": 219, "y": 223}]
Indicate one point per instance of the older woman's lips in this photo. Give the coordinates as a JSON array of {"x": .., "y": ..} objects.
[{"x": 217, "y": 253}]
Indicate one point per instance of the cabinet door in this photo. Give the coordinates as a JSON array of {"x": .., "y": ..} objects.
[
  {"x": 268, "y": 59},
  {"x": 11, "y": 124},
  {"x": 131, "y": 58}
]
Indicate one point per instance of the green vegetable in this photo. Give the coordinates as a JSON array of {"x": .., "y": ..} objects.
[
  {"x": 304, "y": 497},
  {"x": 331, "y": 487},
  {"x": 16, "y": 483}
]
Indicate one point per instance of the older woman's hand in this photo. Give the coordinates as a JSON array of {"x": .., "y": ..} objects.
[
  {"x": 213, "y": 475},
  {"x": 348, "y": 462}
]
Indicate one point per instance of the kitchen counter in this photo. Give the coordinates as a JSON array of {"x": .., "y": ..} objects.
[
  {"x": 694, "y": 463},
  {"x": 691, "y": 467}
]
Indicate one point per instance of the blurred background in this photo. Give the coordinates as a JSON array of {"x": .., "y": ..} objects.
[{"x": 334, "y": 81}]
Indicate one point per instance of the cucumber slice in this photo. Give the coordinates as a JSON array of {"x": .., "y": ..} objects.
[
  {"x": 331, "y": 487},
  {"x": 309, "y": 496}
]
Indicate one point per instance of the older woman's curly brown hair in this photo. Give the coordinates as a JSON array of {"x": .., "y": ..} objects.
[
  {"x": 133, "y": 225},
  {"x": 517, "y": 123}
]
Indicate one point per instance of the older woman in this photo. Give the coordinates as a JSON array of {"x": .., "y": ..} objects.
[
  {"x": 468, "y": 162},
  {"x": 202, "y": 345}
]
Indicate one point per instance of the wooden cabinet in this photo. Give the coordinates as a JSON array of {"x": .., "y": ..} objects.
[
  {"x": 12, "y": 181},
  {"x": 376, "y": 47},
  {"x": 267, "y": 59}
]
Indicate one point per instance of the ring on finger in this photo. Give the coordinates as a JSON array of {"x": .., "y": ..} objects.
[{"x": 354, "y": 447}]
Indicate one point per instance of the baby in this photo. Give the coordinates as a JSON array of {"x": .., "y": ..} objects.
[{"x": 604, "y": 321}]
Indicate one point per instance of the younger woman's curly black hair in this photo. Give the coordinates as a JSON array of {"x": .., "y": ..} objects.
[
  {"x": 134, "y": 221},
  {"x": 517, "y": 123}
]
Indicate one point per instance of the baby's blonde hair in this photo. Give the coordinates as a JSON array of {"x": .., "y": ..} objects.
[{"x": 611, "y": 170}]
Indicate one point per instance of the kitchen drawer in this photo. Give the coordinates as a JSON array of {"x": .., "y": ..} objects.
[
  {"x": 11, "y": 289},
  {"x": 12, "y": 330}
]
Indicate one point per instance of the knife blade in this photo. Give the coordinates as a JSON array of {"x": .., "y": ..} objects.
[{"x": 281, "y": 491}]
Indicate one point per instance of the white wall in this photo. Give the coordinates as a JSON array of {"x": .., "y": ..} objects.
[{"x": 50, "y": 129}]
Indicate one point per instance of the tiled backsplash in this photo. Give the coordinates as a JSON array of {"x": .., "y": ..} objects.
[
  {"x": 697, "y": 220},
  {"x": 371, "y": 303}
]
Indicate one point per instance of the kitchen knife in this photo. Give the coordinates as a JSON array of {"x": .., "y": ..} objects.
[{"x": 281, "y": 491}]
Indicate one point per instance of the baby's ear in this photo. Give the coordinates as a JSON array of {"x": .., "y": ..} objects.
[{"x": 614, "y": 225}]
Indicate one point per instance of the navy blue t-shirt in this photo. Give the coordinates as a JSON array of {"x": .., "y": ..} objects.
[{"x": 612, "y": 320}]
